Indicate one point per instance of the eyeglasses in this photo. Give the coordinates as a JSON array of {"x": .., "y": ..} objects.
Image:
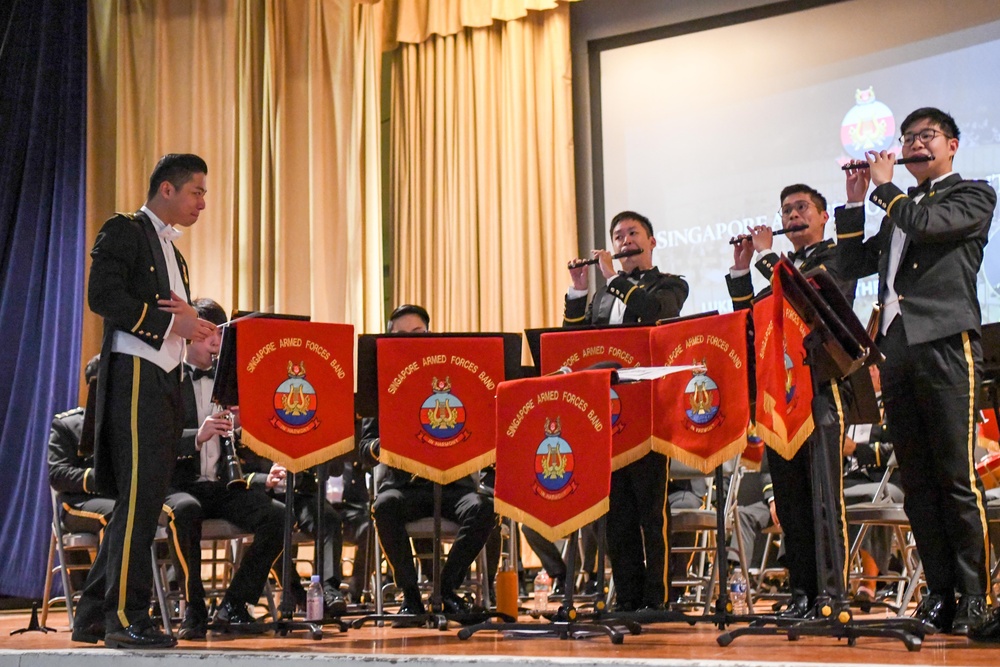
[
  {"x": 799, "y": 207},
  {"x": 925, "y": 135}
]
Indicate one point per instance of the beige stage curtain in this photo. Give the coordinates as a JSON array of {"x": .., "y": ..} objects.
[
  {"x": 268, "y": 93},
  {"x": 483, "y": 213}
]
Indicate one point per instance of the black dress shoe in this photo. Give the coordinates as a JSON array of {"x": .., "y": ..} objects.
[
  {"x": 412, "y": 604},
  {"x": 937, "y": 610},
  {"x": 235, "y": 616},
  {"x": 453, "y": 604},
  {"x": 90, "y": 634},
  {"x": 138, "y": 635},
  {"x": 195, "y": 624},
  {"x": 624, "y": 607},
  {"x": 333, "y": 602},
  {"x": 798, "y": 607},
  {"x": 988, "y": 630},
  {"x": 971, "y": 613}
]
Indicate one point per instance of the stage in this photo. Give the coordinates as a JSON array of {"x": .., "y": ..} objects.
[{"x": 664, "y": 645}]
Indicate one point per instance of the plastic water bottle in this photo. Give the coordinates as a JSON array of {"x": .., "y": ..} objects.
[
  {"x": 543, "y": 586},
  {"x": 738, "y": 591},
  {"x": 314, "y": 600}
]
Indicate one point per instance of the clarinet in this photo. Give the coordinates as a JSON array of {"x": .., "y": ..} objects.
[{"x": 234, "y": 471}]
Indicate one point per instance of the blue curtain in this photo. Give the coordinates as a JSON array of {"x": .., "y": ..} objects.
[{"x": 43, "y": 114}]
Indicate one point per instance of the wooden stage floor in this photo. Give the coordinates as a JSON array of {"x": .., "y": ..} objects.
[{"x": 663, "y": 644}]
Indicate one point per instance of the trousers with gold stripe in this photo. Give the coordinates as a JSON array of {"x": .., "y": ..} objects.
[
  {"x": 930, "y": 393},
  {"x": 638, "y": 527},
  {"x": 142, "y": 424}
]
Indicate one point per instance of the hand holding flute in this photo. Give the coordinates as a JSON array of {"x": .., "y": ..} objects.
[
  {"x": 602, "y": 258},
  {"x": 764, "y": 230}
]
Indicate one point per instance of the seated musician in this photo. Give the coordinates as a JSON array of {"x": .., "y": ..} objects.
[
  {"x": 801, "y": 206},
  {"x": 402, "y": 497},
  {"x": 71, "y": 474},
  {"x": 200, "y": 490},
  {"x": 641, "y": 294}
]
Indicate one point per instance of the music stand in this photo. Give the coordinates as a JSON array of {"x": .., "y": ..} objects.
[
  {"x": 225, "y": 391},
  {"x": 366, "y": 405},
  {"x": 566, "y": 622},
  {"x": 836, "y": 347},
  {"x": 722, "y": 611}
]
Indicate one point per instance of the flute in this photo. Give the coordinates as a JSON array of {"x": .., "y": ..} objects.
[
  {"x": 904, "y": 160},
  {"x": 736, "y": 240},
  {"x": 594, "y": 260}
]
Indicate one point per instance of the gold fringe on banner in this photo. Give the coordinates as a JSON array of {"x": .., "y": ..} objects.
[
  {"x": 420, "y": 469},
  {"x": 551, "y": 533},
  {"x": 632, "y": 455},
  {"x": 302, "y": 463},
  {"x": 780, "y": 442},
  {"x": 692, "y": 460}
]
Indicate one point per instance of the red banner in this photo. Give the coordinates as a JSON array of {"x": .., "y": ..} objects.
[
  {"x": 437, "y": 404},
  {"x": 631, "y": 412},
  {"x": 989, "y": 434},
  {"x": 701, "y": 416},
  {"x": 296, "y": 383},
  {"x": 784, "y": 384},
  {"x": 554, "y": 451},
  {"x": 754, "y": 453}
]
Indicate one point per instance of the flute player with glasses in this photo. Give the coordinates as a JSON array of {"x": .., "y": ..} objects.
[
  {"x": 927, "y": 254},
  {"x": 638, "y": 516}
]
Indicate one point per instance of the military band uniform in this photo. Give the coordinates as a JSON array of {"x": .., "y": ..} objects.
[
  {"x": 931, "y": 375},
  {"x": 139, "y": 412},
  {"x": 638, "y": 522},
  {"x": 402, "y": 497},
  {"x": 791, "y": 479},
  {"x": 199, "y": 490},
  {"x": 71, "y": 475}
]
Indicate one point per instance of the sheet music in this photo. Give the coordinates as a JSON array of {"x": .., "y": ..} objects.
[{"x": 652, "y": 372}]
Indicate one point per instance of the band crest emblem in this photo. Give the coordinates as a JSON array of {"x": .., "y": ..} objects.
[
  {"x": 442, "y": 416},
  {"x": 554, "y": 463},
  {"x": 295, "y": 402},
  {"x": 703, "y": 400}
]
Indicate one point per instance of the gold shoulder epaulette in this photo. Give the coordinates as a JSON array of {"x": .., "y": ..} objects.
[
  {"x": 74, "y": 411},
  {"x": 126, "y": 214}
]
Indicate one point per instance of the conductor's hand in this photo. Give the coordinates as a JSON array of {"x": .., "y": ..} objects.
[
  {"x": 187, "y": 324},
  {"x": 849, "y": 446},
  {"x": 857, "y": 184},
  {"x": 214, "y": 424},
  {"x": 275, "y": 476}
]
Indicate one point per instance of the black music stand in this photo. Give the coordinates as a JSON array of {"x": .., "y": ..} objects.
[
  {"x": 836, "y": 347},
  {"x": 722, "y": 612},
  {"x": 366, "y": 405},
  {"x": 225, "y": 391},
  {"x": 566, "y": 622}
]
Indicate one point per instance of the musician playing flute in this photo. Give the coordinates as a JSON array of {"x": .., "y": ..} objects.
[
  {"x": 927, "y": 254},
  {"x": 200, "y": 490},
  {"x": 801, "y": 207},
  {"x": 638, "y": 515}
]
